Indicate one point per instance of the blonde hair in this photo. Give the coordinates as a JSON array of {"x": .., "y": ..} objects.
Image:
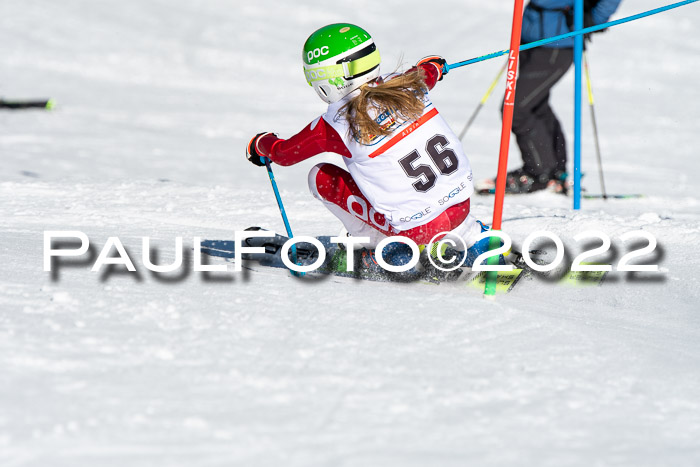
[{"x": 401, "y": 96}]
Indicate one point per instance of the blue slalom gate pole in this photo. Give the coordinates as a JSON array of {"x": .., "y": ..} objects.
[
  {"x": 282, "y": 211},
  {"x": 582, "y": 31},
  {"x": 578, "y": 54}
]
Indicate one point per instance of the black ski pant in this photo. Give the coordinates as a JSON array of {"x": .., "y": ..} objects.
[{"x": 536, "y": 128}]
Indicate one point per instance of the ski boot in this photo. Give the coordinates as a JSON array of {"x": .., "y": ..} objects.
[
  {"x": 394, "y": 254},
  {"x": 453, "y": 256},
  {"x": 367, "y": 266},
  {"x": 518, "y": 182},
  {"x": 560, "y": 183}
]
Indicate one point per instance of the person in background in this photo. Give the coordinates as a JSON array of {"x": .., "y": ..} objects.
[{"x": 537, "y": 130}]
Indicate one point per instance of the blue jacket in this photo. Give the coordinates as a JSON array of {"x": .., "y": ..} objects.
[{"x": 550, "y": 19}]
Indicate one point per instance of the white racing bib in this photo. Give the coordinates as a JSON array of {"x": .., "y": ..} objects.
[{"x": 412, "y": 175}]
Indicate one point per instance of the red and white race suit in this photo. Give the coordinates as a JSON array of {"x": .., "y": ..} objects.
[{"x": 414, "y": 182}]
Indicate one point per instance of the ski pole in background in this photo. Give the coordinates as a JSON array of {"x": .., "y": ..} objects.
[
  {"x": 47, "y": 104},
  {"x": 483, "y": 100},
  {"x": 595, "y": 125},
  {"x": 282, "y": 211}
]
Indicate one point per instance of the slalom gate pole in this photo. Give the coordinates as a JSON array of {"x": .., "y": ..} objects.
[
  {"x": 578, "y": 53},
  {"x": 282, "y": 211},
  {"x": 595, "y": 125},
  {"x": 508, "y": 107},
  {"x": 597, "y": 27},
  {"x": 483, "y": 100}
]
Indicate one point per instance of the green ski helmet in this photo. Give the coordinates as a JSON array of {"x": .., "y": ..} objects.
[{"x": 338, "y": 59}]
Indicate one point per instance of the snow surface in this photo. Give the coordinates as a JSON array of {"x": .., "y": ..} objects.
[{"x": 156, "y": 102}]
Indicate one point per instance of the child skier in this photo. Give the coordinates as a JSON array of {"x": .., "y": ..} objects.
[{"x": 407, "y": 172}]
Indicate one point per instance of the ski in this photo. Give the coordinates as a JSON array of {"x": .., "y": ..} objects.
[
  {"x": 47, "y": 104},
  {"x": 492, "y": 191},
  {"x": 614, "y": 196},
  {"x": 559, "y": 276},
  {"x": 336, "y": 264},
  {"x": 483, "y": 189}
]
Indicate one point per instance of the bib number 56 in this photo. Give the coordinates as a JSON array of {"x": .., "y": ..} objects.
[{"x": 443, "y": 158}]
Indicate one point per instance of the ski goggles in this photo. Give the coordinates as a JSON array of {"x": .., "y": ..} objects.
[{"x": 348, "y": 68}]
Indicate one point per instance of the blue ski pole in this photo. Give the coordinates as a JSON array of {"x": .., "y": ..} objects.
[
  {"x": 578, "y": 54},
  {"x": 598, "y": 27},
  {"x": 282, "y": 211}
]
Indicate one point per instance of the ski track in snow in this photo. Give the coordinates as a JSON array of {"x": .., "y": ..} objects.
[{"x": 156, "y": 102}]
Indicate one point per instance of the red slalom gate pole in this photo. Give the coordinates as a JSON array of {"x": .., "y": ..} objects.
[{"x": 508, "y": 107}]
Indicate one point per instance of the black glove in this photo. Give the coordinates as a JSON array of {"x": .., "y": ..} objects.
[
  {"x": 251, "y": 152},
  {"x": 437, "y": 60}
]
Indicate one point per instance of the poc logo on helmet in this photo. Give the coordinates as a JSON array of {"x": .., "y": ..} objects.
[
  {"x": 311, "y": 54},
  {"x": 314, "y": 75}
]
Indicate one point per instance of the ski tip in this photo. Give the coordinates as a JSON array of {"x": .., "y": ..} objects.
[
  {"x": 613, "y": 196},
  {"x": 50, "y": 104}
]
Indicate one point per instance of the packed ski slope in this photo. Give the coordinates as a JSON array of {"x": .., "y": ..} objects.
[{"x": 156, "y": 100}]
